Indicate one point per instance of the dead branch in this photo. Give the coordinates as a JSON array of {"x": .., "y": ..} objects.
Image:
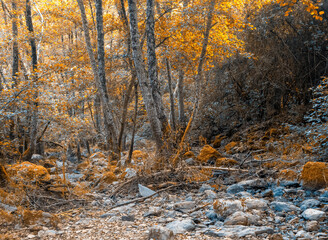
[{"x": 219, "y": 168}]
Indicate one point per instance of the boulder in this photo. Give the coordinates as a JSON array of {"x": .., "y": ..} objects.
[
  {"x": 27, "y": 171},
  {"x": 181, "y": 226},
  {"x": 227, "y": 207},
  {"x": 314, "y": 175},
  {"x": 313, "y": 214},
  {"x": 283, "y": 207}
]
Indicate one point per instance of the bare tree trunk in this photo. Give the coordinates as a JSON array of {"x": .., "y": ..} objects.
[
  {"x": 182, "y": 117},
  {"x": 100, "y": 79},
  {"x": 97, "y": 112},
  {"x": 15, "y": 63},
  {"x": 2, "y": 80},
  {"x": 142, "y": 77},
  {"x": 109, "y": 119},
  {"x": 169, "y": 79},
  {"x": 34, "y": 119},
  {"x": 152, "y": 65},
  {"x": 134, "y": 123}
]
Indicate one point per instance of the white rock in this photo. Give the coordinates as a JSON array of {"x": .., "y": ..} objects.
[
  {"x": 303, "y": 234},
  {"x": 228, "y": 207},
  {"x": 253, "y": 203},
  {"x": 313, "y": 214},
  {"x": 130, "y": 173},
  {"x": 144, "y": 191},
  {"x": 36, "y": 157},
  {"x": 160, "y": 233},
  {"x": 181, "y": 226}
]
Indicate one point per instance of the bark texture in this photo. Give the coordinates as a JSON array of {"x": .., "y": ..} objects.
[{"x": 142, "y": 77}]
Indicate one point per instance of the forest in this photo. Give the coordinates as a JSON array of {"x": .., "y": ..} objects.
[{"x": 164, "y": 119}]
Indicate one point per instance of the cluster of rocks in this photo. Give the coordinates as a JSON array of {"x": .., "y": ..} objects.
[{"x": 252, "y": 209}]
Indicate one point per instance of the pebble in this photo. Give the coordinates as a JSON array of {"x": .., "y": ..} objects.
[{"x": 313, "y": 214}]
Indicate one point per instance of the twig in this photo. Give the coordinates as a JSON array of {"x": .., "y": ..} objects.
[
  {"x": 219, "y": 168},
  {"x": 143, "y": 198},
  {"x": 198, "y": 208}
]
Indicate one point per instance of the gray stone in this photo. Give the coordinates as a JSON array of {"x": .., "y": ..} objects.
[
  {"x": 8, "y": 208},
  {"x": 210, "y": 194},
  {"x": 313, "y": 214},
  {"x": 130, "y": 173},
  {"x": 160, "y": 233},
  {"x": 190, "y": 161},
  {"x": 238, "y": 231},
  {"x": 105, "y": 215},
  {"x": 227, "y": 207},
  {"x": 235, "y": 188},
  {"x": 253, "y": 203},
  {"x": 205, "y": 187},
  {"x": 36, "y": 157},
  {"x": 309, "y": 203},
  {"x": 185, "y": 205},
  {"x": 253, "y": 184},
  {"x": 181, "y": 226},
  {"x": 283, "y": 207},
  {"x": 312, "y": 226},
  {"x": 303, "y": 234},
  {"x": 153, "y": 211},
  {"x": 128, "y": 218},
  {"x": 144, "y": 191},
  {"x": 237, "y": 218}
]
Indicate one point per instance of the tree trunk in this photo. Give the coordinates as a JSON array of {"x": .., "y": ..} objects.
[
  {"x": 152, "y": 65},
  {"x": 15, "y": 63},
  {"x": 99, "y": 73},
  {"x": 109, "y": 119},
  {"x": 169, "y": 79},
  {"x": 34, "y": 119},
  {"x": 134, "y": 123},
  {"x": 182, "y": 117},
  {"x": 142, "y": 77}
]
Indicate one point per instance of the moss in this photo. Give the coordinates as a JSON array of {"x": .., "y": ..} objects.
[
  {"x": 109, "y": 177},
  {"x": 314, "y": 175},
  {"x": 228, "y": 148},
  {"x": 217, "y": 141},
  {"x": 288, "y": 174},
  {"x": 30, "y": 217},
  {"x": 139, "y": 155},
  {"x": 226, "y": 162},
  {"x": 97, "y": 155},
  {"x": 208, "y": 153},
  {"x": 5, "y": 217},
  {"x": 29, "y": 171}
]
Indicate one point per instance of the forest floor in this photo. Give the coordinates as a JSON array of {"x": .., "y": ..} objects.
[{"x": 256, "y": 188}]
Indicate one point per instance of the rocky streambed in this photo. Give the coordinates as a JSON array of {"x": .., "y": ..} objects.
[{"x": 252, "y": 209}]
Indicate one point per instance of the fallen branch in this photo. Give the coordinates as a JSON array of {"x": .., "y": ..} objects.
[
  {"x": 219, "y": 168},
  {"x": 138, "y": 200},
  {"x": 198, "y": 208}
]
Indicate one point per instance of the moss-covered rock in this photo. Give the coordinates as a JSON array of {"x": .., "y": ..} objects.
[
  {"x": 314, "y": 175},
  {"x": 208, "y": 154}
]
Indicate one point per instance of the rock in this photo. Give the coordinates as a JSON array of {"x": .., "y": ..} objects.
[
  {"x": 8, "y": 208},
  {"x": 312, "y": 226},
  {"x": 144, "y": 191},
  {"x": 235, "y": 188},
  {"x": 210, "y": 194},
  {"x": 205, "y": 187},
  {"x": 278, "y": 191},
  {"x": 128, "y": 218},
  {"x": 36, "y": 158},
  {"x": 284, "y": 207},
  {"x": 97, "y": 155},
  {"x": 227, "y": 207},
  {"x": 313, "y": 214},
  {"x": 27, "y": 171},
  {"x": 302, "y": 234},
  {"x": 314, "y": 175},
  {"x": 241, "y": 218},
  {"x": 324, "y": 197},
  {"x": 154, "y": 211},
  {"x": 211, "y": 215},
  {"x": 244, "y": 194},
  {"x": 267, "y": 193},
  {"x": 253, "y": 203},
  {"x": 256, "y": 183},
  {"x": 276, "y": 236},
  {"x": 229, "y": 147},
  {"x": 160, "y": 233},
  {"x": 105, "y": 215},
  {"x": 238, "y": 218},
  {"x": 309, "y": 203},
  {"x": 181, "y": 226},
  {"x": 234, "y": 232},
  {"x": 130, "y": 173},
  {"x": 190, "y": 161},
  {"x": 185, "y": 205}
]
